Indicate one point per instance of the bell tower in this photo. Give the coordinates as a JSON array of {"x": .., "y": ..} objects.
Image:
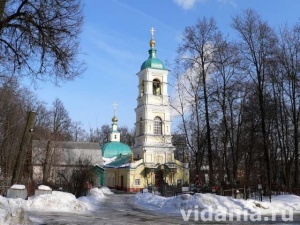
[{"x": 153, "y": 140}]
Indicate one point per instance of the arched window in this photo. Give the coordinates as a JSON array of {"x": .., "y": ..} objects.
[
  {"x": 157, "y": 127},
  {"x": 141, "y": 126},
  {"x": 142, "y": 88},
  {"x": 156, "y": 87}
]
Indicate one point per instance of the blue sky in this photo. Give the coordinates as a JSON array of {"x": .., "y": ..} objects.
[{"x": 115, "y": 42}]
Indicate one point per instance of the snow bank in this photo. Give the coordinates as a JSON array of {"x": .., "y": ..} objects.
[
  {"x": 96, "y": 196},
  {"x": 220, "y": 204},
  {"x": 18, "y": 186},
  {"x": 106, "y": 191},
  {"x": 57, "y": 201},
  {"x": 12, "y": 211},
  {"x": 44, "y": 187}
]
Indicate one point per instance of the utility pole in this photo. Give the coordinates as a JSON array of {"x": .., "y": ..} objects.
[{"x": 24, "y": 146}]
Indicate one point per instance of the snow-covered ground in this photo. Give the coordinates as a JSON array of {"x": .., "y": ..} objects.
[
  {"x": 221, "y": 207},
  {"x": 12, "y": 211}
]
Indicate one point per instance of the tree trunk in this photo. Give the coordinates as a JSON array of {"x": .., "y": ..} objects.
[
  {"x": 208, "y": 135},
  {"x": 16, "y": 176},
  {"x": 264, "y": 133},
  {"x": 296, "y": 132},
  {"x": 47, "y": 163}
]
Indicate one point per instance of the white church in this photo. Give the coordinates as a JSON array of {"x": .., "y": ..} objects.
[{"x": 151, "y": 162}]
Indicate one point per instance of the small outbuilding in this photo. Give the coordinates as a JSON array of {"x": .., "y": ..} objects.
[{"x": 17, "y": 191}]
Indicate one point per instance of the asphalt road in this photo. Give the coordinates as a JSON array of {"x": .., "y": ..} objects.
[{"x": 119, "y": 209}]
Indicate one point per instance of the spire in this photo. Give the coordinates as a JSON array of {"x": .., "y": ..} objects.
[
  {"x": 152, "y": 41},
  {"x": 115, "y": 119},
  {"x": 115, "y": 134},
  {"x": 152, "y": 50},
  {"x": 115, "y": 108}
]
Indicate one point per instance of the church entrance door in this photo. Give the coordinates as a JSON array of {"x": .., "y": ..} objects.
[{"x": 159, "y": 178}]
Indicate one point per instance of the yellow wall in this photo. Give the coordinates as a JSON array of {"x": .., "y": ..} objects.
[{"x": 131, "y": 176}]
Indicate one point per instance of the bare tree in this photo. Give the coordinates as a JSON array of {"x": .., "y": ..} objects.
[
  {"x": 258, "y": 41},
  {"x": 126, "y": 135},
  {"x": 228, "y": 80},
  {"x": 60, "y": 121},
  {"x": 40, "y": 38},
  {"x": 77, "y": 132},
  {"x": 188, "y": 106},
  {"x": 286, "y": 79},
  {"x": 59, "y": 126},
  {"x": 74, "y": 178},
  {"x": 100, "y": 135},
  {"x": 198, "y": 48},
  {"x": 12, "y": 123}
]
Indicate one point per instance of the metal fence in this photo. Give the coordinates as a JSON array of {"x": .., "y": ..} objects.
[{"x": 236, "y": 192}]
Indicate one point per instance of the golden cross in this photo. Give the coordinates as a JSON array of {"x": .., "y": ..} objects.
[
  {"x": 152, "y": 32},
  {"x": 115, "y": 108}
]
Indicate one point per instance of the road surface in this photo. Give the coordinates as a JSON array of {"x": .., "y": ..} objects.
[{"x": 119, "y": 209}]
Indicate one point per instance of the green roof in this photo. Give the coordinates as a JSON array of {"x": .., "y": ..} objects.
[
  {"x": 112, "y": 149},
  {"x": 152, "y": 61}
]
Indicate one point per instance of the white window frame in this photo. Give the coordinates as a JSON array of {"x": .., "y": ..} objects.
[
  {"x": 157, "y": 126},
  {"x": 137, "y": 182}
]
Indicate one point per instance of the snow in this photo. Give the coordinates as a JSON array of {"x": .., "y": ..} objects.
[
  {"x": 109, "y": 160},
  {"x": 44, "y": 187},
  {"x": 215, "y": 203},
  {"x": 57, "y": 201},
  {"x": 18, "y": 186},
  {"x": 13, "y": 211}
]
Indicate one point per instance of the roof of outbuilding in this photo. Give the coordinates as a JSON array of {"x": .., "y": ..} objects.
[{"x": 68, "y": 153}]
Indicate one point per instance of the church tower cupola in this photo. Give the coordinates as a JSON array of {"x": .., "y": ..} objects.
[
  {"x": 152, "y": 61},
  {"x": 115, "y": 134},
  {"x": 115, "y": 148}
]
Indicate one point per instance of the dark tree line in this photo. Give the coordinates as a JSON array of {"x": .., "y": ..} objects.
[{"x": 239, "y": 101}]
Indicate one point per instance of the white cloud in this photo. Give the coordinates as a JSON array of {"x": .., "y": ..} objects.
[{"x": 186, "y": 4}]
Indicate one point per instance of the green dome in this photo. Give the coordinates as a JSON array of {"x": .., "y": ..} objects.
[
  {"x": 152, "y": 61},
  {"x": 112, "y": 149}
]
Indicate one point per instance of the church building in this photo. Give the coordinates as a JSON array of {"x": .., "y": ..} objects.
[{"x": 151, "y": 161}]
